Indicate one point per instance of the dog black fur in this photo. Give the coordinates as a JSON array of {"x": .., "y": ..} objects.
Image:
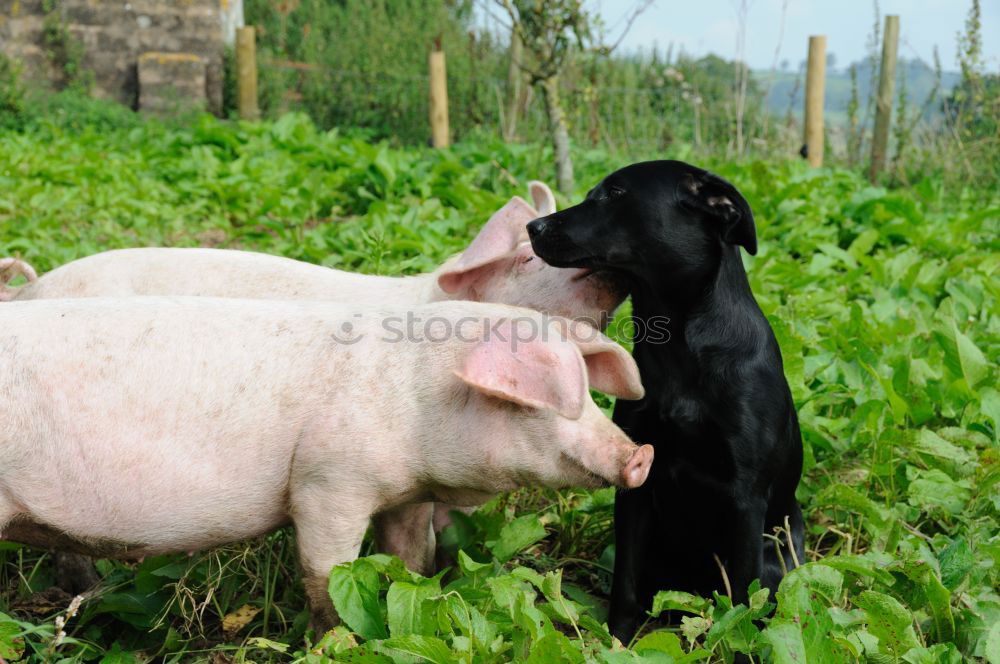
[{"x": 717, "y": 408}]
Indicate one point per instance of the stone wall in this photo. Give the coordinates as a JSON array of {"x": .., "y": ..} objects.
[{"x": 115, "y": 33}]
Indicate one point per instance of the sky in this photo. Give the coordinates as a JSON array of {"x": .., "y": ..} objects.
[{"x": 712, "y": 26}]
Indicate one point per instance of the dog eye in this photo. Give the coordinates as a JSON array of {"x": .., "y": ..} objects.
[{"x": 615, "y": 192}]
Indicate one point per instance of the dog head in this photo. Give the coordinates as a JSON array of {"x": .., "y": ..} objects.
[{"x": 661, "y": 222}]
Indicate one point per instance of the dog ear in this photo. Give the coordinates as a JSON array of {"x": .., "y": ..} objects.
[{"x": 716, "y": 198}]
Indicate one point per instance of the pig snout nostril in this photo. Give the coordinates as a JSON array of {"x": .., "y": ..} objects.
[
  {"x": 536, "y": 228},
  {"x": 637, "y": 469}
]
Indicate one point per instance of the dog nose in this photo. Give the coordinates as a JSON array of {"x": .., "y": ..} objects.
[{"x": 536, "y": 228}]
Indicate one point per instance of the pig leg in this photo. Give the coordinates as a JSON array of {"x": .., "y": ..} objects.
[
  {"x": 407, "y": 532},
  {"x": 329, "y": 529},
  {"x": 75, "y": 573}
]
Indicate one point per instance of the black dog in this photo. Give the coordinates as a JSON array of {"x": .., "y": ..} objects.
[{"x": 717, "y": 407}]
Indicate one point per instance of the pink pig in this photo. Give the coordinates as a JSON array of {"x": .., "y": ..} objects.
[
  {"x": 140, "y": 426},
  {"x": 499, "y": 266}
]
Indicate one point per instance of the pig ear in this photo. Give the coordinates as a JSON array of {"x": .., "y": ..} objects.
[
  {"x": 610, "y": 368},
  {"x": 722, "y": 202},
  {"x": 543, "y": 198},
  {"x": 500, "y": 236},
  {"x": 537, "y": 374}
]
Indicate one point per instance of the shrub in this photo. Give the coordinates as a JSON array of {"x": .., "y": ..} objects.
[{"x": 11, "y": 93}]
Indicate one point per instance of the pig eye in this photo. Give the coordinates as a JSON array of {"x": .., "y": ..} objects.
[{"x": 526, "y": 259}]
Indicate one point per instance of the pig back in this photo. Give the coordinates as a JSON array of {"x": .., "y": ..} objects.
[{"x": 213, "y": 273}]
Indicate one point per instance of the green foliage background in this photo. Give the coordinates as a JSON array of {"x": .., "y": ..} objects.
[
  {"x": 885, "y": 304},
  {"x": 366, "y": 67},
  {"x": 370, "y": 70}
]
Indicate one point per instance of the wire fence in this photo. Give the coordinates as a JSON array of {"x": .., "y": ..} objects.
[{"x": 630, "y": 118}]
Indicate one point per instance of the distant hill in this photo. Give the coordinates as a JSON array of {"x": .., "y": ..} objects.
[{"x": 919, "y": 79}]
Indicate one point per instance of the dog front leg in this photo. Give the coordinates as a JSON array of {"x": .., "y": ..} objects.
[
  {"x": 779, "y": 558},
  {"x": 633, "y": 525},
  {"x": 745, "y": 561}
]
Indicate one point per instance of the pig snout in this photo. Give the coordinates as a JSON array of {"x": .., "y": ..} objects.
[
  {"x": 617, "y": 461},
  {"x": 636, "y": 469}
]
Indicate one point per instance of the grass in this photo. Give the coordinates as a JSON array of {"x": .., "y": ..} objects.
[{"x": 884, "y": 302}]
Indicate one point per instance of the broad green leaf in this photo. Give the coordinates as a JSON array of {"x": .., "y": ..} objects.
[
  {"x": 474, "y": 574},
  {"x": 889, "y": 621},
  {"x": 899, "y": 407},
  {"x": 674, "y": 600},
  {"x": 516, "y": 536},
  {"x": 405, "y": 604},
  {"x": 989, "y": 404},
  {"x": 117, "y": 656},
  {"x": 841, "y": 496},
  {"x": 956, "y": 562},
  {"x": 804, "y": 598},
  {"x": 277, "y": 646},
  {"x": 785, "y": 637},
  {"x": 424, "y": 648},
  {"x": 863, "y": 243},
  {"x": 975, "y": 367},
  {"x": 939, "y": 450},
  {"x": 930, "y": 489},
  {"x": 11, "y": 641},
  {"x": 937, "y": 597},
  {"x": 861, "y": 565},
  {"x": 724, "y": 626},
  {"x": 664, "y": 646},
  {"x": 563, "y": 606},
  {"x": 354, "y": 590},
  {"x": 992, "y": 649},
  {"x": 693, "y": 627},
  {"x": 661, "y": 641},
  {"x": 940, "y": 653},
  {"x": 554, "y": 647},
  {"x": 472, "y": 622},
  {"x": 506, "y": 591}
]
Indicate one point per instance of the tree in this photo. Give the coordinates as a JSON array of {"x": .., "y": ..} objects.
[{"x": 549, "y": 31}]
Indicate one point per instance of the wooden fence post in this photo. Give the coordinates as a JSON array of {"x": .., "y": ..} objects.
[
  {"x": 246, "y": 73},
  {"x": 815, "y": 83},
  {"x": 439, "y": 99},
  {"x": 883, "y": 103}
]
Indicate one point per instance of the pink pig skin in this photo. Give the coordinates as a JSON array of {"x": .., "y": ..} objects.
[{"x": 147, "y": 425}]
